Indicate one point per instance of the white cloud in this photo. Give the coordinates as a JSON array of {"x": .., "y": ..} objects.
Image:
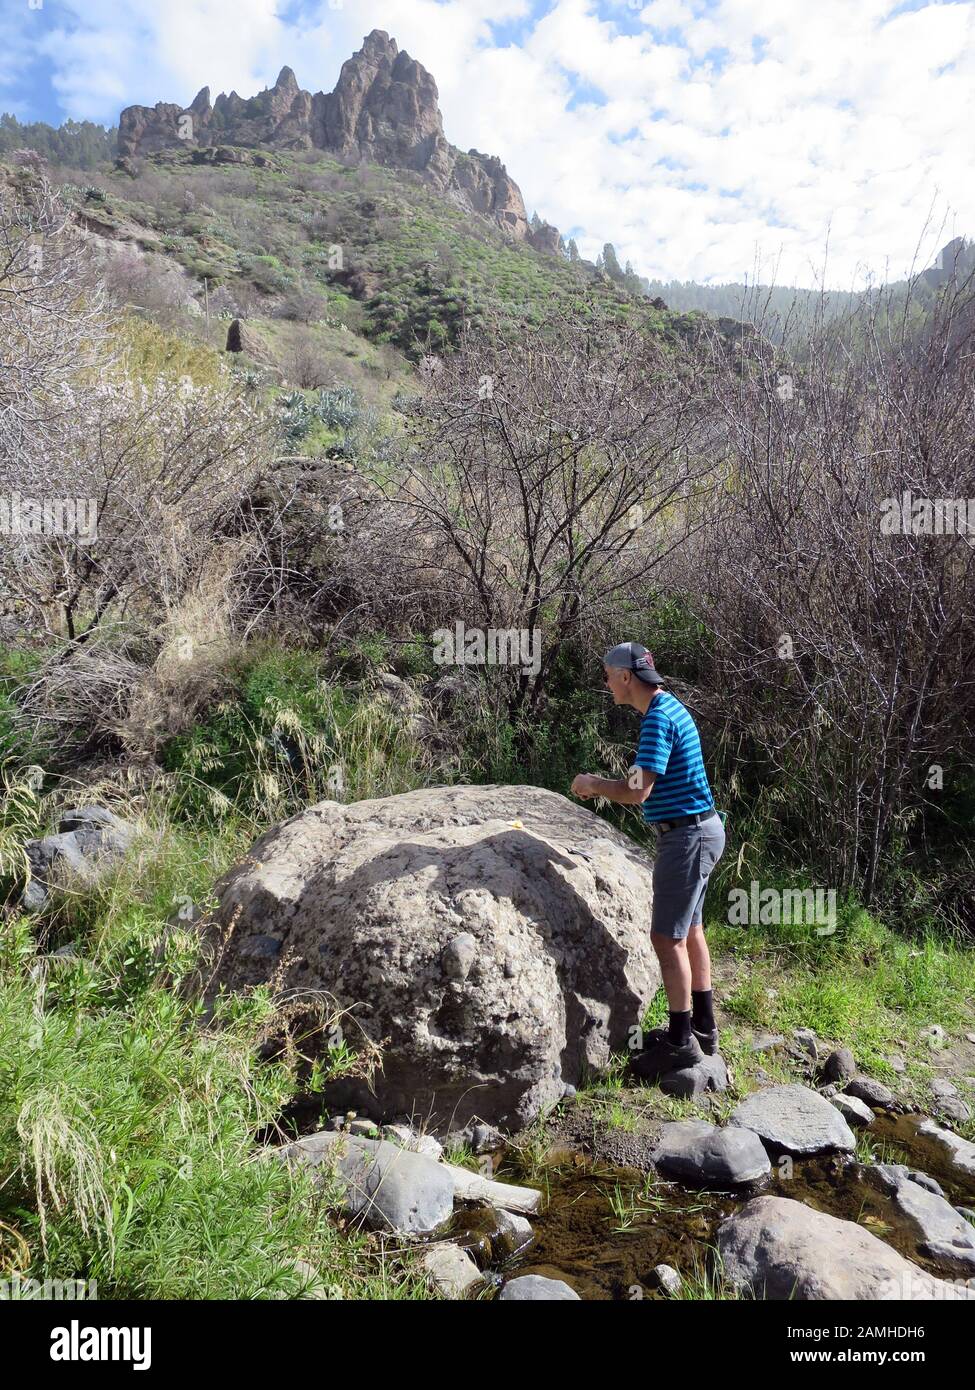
[{"x": 840, "y": 117}]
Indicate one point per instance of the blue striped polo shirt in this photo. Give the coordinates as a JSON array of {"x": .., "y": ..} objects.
[{"x": 670, "y": 746}]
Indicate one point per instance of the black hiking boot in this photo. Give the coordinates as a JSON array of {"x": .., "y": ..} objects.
[
  {"x": 707, "y": 1038},
  {"x": 661, "y": 1056}
]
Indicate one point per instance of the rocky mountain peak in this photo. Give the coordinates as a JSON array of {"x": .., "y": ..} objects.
[
  {"x": 384, "y": 109},
  {"x": 286, "y": 78}
]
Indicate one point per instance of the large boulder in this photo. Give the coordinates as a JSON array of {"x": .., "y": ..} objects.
[
  {"x": 494, "y": 940},
  {"x": 777, "y": 1248}
]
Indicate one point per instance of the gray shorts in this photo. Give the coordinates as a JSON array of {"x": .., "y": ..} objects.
[{"x": 685, "y": 857}]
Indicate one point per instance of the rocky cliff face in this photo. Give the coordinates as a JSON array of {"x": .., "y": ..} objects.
[
  {"x": 955, "y": 261},
  {"x": 384, "y": 110}
]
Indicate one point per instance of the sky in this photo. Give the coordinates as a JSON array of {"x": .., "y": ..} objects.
[{"x": 799, "y": 142}]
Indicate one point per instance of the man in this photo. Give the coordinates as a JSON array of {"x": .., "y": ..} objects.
[{"x": 669, "y": 781}]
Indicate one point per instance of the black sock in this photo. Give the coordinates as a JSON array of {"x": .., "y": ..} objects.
[
  {"x": 680, "y": 1028},
  {"x": 702, "y": 1009}
]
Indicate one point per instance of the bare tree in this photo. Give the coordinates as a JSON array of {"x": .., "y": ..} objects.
[
  {"x": 545, "y": 474},
  {"x": 842, "y": 622},
  {"x": 52, "y": 321}
]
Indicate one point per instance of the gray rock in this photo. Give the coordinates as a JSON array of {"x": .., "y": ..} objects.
[
  {"x": 701, "y": 1153},
  {"x": 875, "y": 1093},
  {"x": 568, "y": 1092},
  {"x": 970, "y": 1037},
  {"x": 778, "y": 1248},
  {"x": 967, "y": 1212},
  {"x": 261, "y": 947},
  {"x": 89, "y": 841},
  {"x": 485, "y": 1139},
  {"x": 459, "y": 956},
  {"x": 392, "y": 1188},
  {"x": 951, "y": 1149},
  {"x": 943, "y": 1089},
  {"x": 855, "y": 1112},
  {"x": 94, "y": 818},
  {"x": 367, "y": 1129},
  {"x": 897, "y": 1064},
  {"x": 534, "y": 1288},
  {"x": 709, "y": 1074},
  {"x": 840, "y": 1065},
  {"x": 943, "y": 1235},
  {"x": 889, "y": 1175},
  {"x": 473, "y": 1187},
  {"x": 766, "y": 1042},
  {"x": 794, "y": 1120},
  {"x": 934, "y": 1036},
  {"x": 370, "y": 898},
  {"x": 665, "y": 1277},
  {"x": 954, "y": 1110},
  {"x": 514, "y": 1233},
  {"x": 409, "y": 1139},
  {"x": 926, "y": 1181},
  {"x": 807, "y": 1041},
  {"x": 450, "y": 1270}
]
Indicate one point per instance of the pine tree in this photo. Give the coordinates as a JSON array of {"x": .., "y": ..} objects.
[{"x": 610, "y": 264}]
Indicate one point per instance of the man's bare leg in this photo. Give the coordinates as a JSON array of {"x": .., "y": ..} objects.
[
  {"x": 676, "y": 971},
  {"x": 699, "y": 957}
]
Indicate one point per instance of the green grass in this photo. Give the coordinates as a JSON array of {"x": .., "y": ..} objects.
[
  {"x": 128, "y": 1127},
  {"x": 287, "y": 735}
]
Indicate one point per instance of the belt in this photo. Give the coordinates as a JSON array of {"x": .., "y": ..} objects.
[{"x": 663, "y": 826}]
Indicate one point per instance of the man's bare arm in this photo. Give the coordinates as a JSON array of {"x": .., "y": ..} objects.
[{"x": 630, "y": 792}]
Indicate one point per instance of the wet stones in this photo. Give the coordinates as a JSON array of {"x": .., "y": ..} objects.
[
  {"x": 943, "y": 1234},
  {"x": 701, "y": 1154},
  {"x": 855, "y": 1112},
  {"x": 955, "y": 1154},
  {"x": 472, "y": 1187},
  {"x": 874, "y": 1093},
  {"x": 535, "y": 1288},
  {"x": 450, "y": 1270},
  {"x": 777, "y": 1248},
  {"x": 513, "y": 1234},
  {"x": 794, "y": 1120}
]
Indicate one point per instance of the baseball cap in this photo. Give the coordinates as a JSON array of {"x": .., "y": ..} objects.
[{"x": 634, "y": 657}]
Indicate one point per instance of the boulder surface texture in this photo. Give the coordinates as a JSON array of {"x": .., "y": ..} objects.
[{"x": 495, "y": 941}]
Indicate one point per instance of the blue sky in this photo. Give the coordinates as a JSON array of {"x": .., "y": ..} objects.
[{"x": 803, "y": 141}]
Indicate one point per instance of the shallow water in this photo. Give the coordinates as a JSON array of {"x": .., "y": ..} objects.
[{"x": 605, "y": 1228}]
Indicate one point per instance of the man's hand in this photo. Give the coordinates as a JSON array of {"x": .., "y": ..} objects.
[
  {"x": 582, "y": 786},
  {"x": 631, "y": 792}
]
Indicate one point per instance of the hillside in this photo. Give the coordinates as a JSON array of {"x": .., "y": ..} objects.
[
  {"x": 343, "y": 230},
  {"x": 299, "y": 238}
]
